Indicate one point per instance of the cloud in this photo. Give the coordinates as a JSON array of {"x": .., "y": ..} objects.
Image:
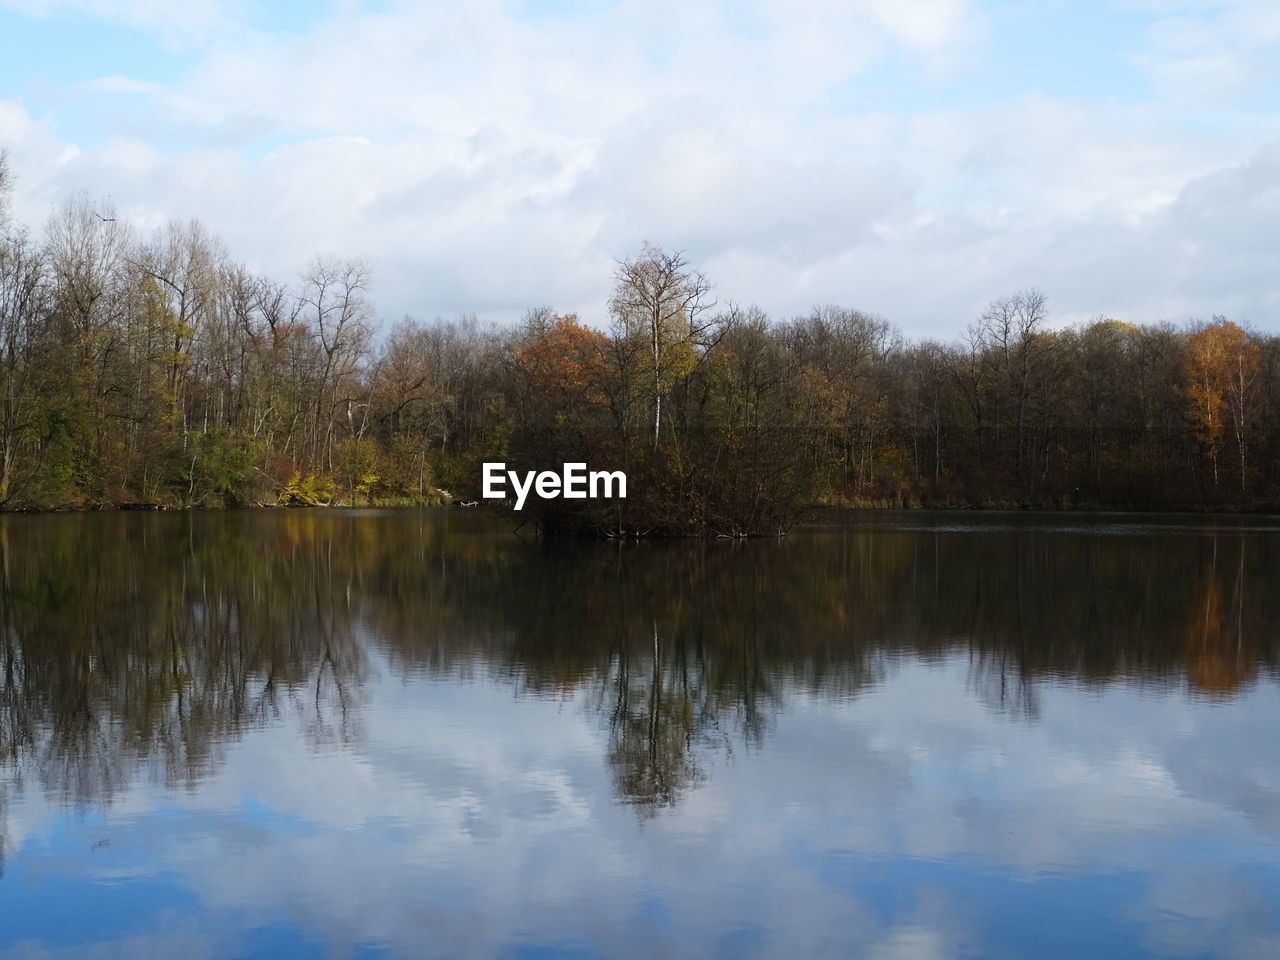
[
  {"x": 121, "y": 84},
  {"x": 1213, "y": 52},
  {"x": 178, "y": 24},
  {"x": 488, "y": 158}
]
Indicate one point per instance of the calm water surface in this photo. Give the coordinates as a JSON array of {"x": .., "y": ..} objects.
[{"x": 413, "y": 734}]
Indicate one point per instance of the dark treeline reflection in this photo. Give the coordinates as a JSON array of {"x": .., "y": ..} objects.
[{"x": 132, "y": 640}]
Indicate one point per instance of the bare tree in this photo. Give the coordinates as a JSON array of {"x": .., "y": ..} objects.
[
  {"x": 6, "y": 189},
  {"x": 1009, "y": 329},
  {"x": 88, "y": 246},
  {"x": 23, "y": 318},
  {"x": 657, "y": 297},
  {"x": 185, "y": 262},
  {"x": 333, "y": 301}
]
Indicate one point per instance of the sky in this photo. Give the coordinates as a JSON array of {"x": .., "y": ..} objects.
[{"x": 913, "y": 160}]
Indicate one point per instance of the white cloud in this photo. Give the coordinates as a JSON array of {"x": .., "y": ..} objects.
[
  {"x": 121, "y": 84},
  {"x": 1213, "y": 51},
  {"x": 487, "y": 161},
  {"x": 177, "y": 23}
]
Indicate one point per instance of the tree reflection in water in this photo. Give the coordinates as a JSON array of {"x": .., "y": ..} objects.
[{"x": 134, "y": 640}]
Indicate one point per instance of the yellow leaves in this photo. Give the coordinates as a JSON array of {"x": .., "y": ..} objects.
[
  {"x": 306, "y": 491},
  {"x": 174, "y": 358},
  {"x": 1109, "y": 335},
  {"x": 1220, "y": 362},
  {"x": 678, "y": 361},
  {"x": 1212, "y": 647},
  {"x": 1122, "y": 327}
]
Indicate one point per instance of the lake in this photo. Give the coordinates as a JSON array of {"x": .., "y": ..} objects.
[{"x": 414, "y": 733}]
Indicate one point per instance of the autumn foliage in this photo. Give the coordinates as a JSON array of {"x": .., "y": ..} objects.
[
  {"x": 1220, "y": 369},
  {"x": 562, "y": 363},
  {"x": 156, "y": 370}
]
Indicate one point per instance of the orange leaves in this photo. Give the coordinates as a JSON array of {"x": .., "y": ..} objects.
[
  {"x": 1220, "y": 365},
  {"x": 1218, "y": 661},
  {"x": 564, "y": 362}
]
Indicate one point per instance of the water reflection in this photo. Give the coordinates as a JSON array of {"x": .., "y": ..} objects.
[
  {"x": 818, "y": 693},
  {"x": 130, "y": 638}
]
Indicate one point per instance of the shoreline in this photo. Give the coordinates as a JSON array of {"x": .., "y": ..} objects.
[{"x": 807, "y": 515}]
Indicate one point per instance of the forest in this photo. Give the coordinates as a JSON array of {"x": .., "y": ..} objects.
[{"x": 158, "y": 371}]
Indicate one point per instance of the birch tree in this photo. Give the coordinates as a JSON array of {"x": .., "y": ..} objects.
[{"x": 659, "y": 299}]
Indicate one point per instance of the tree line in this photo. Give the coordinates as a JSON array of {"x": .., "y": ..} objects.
[{"x": 157, "y": 370}]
